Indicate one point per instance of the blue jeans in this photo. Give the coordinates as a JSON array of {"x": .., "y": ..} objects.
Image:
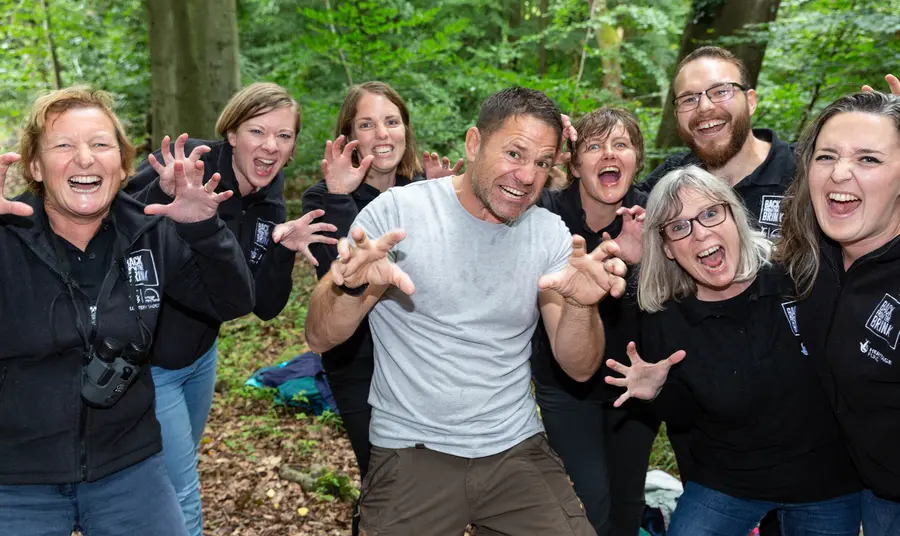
[
  {"x": 183, "y": 400},
  {"x": 705, "y": 512},
  {"x": 880, "y": 516},
  {"x": 137, "y": 501}
]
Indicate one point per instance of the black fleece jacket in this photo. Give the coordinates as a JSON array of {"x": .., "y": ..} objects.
[
  {"x": 850, "y": 325},
  {"x": 183, "y": 334},
  {"x": 47, "y": 434}
]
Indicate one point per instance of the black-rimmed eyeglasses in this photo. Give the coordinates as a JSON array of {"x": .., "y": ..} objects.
[
  {"x": 717, "y": 93},
  {"x": 708, "y": 217}
]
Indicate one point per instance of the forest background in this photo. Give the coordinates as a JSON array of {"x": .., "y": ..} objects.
[{"x": 172, "y": 64}]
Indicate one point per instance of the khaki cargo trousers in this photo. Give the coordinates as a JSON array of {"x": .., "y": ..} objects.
[{"x": 523, "y": 491}]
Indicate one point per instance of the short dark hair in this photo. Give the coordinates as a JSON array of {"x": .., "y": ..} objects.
[
  {"x": 518, "y": 101},
  {"x": 719, "y": 54},
  {"x": 599, "y": 123}
]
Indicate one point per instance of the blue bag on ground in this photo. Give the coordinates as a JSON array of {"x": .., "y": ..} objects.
[{"x": 300, "y": 382}]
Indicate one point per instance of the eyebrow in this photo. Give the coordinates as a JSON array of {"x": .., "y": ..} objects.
[
  {"x": 860, "y": 150},
  {"x": 392, "y": 116}
]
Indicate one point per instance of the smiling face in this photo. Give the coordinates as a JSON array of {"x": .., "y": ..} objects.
[
  {"x": 606, "y": 166},
  {"x": 79, "y": 164},
  {"x": 378, "y": 125},
  {"x": 716, "y": 132},
  {"x": 854, "y": 180},
  {"x": 710, "y": 255},
  {"x": 262, "y": 146},
  {"x": 509, "y": 167}
]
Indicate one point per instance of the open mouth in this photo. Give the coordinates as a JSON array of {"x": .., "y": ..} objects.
[
  {"x": 609, "y": 176},
  {"x": 512, "y": 193},
  {"x": 842, "y": 204},
  {"x": 263, "y": 166},
  {"x": 713, "y": 258},
  {"x": 710, "y": 127},
  {"x": 85, "y": 184},
  {"x": 382, "y": 150}
]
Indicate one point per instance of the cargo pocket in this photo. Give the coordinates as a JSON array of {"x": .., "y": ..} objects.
[
  {"x": 376, "y": 496},
  {"x": 576, "y": 516}
]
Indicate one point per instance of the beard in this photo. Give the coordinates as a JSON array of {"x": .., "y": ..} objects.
[
  {"x": 483, "y": 194},
  {"x": 717, "y": 156}
]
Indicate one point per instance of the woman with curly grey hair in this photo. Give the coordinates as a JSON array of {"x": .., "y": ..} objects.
[{"x": 721, "y": 359}]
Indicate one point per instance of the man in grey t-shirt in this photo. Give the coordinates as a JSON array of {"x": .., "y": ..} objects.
[{"x": 463, "y": 269}]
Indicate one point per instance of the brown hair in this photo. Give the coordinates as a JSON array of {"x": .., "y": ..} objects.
[
  {"x": 58, "y": 102},
  {"x": 798, "y": 247},
  {"x": 410, "y": 165},
  {"x": 719, "y": 54},
  {"x": 600, "y": 123},
  {"x": 255, "y": 100},
  {"x": 514, "y": 101}
]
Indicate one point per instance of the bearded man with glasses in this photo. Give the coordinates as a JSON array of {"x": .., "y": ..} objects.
[{"x": 713, "y": 105}]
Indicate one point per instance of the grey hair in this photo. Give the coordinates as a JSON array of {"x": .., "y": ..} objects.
[{"x": 662, "y": 279}]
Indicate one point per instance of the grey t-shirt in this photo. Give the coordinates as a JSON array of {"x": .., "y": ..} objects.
[{"x": 451, "y": 361}]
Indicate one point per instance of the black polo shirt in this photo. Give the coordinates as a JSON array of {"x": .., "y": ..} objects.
[
  {"x": 761, "y": 191},
  {"x": 620, "y": 322},
  {"x": 760, "y": 423}
]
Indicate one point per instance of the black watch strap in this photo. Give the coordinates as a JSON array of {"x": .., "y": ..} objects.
[{"x": 358, "y": 291}]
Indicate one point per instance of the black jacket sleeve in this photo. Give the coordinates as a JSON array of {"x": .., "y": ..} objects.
[
  {"x": 340, "y": 211},
  {"x": 208, "y": 270},
  {"x": 272, "y": 278}
]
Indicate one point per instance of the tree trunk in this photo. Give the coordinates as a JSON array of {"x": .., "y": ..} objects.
[
  {"x": 709, "y": 20},
  {"x": 194, "y": 65},
  {"x": 609, "y": 38},
  {"x": 51, "y": 48}
]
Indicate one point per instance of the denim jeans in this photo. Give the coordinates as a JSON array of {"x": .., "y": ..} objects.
[
  {"x": 183, "y": 401},
  {"x": 880, "y": 516},
  {"x": 137, "y": 501},
  {"x": 705, "y": 512}
]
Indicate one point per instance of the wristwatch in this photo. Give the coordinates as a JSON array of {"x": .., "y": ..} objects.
[{"x": 358, "y": 291}]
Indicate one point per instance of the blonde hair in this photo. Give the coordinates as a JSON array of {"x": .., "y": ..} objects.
[
  {"x": 58, "y": 102},
  {"x": 255, "y": 100},
  {"x": 662, "y": 279}
]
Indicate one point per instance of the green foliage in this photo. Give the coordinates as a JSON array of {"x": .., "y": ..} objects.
[{"x": 331, "y": 486}]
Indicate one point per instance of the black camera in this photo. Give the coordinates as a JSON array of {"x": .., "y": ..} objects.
[{"x": 110, "y": 371}]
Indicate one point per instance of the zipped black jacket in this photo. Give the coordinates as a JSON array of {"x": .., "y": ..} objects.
[
  {"x": 850, "y": 325},
  {"x": 184, "y": 334},
  {"x": 47, "y": 434}
]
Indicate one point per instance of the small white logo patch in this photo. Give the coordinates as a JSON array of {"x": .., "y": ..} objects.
[
  {"x": 883, "y": 321},
  {"x": 790, "y": 312},
  {"x": 143, "y": 278},
  {"x": 770, "y": 215}
]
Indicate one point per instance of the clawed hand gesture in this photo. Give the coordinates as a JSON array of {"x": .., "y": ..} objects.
[
  {"x": 166, "y": 171},
  {"x": 193, "y": 201},
  {"x": 337, "y": 166},
  {"x": 435, "y": 167},
  {"x": 629, "y": 239},
  {"x": 588, "y": 277},
  {"x": 6, "y": 206},
  {"x": 368, "y": 263},
  {"x": 298, "y": 234},
  {"x": 642, "y": 380}
]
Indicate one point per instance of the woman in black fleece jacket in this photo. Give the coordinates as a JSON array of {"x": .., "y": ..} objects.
[
  {"x": 259, "y": 129},
  {"x": 841, "y": 244},
  {"x": 84, "y": 267}
]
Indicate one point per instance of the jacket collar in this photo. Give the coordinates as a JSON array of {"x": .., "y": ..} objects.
[
  {"x": 770, "y": 281},
  {"x": 126, "y": 214}
]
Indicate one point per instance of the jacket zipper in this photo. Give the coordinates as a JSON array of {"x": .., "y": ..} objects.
[{"x": 82, "y": 425}]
